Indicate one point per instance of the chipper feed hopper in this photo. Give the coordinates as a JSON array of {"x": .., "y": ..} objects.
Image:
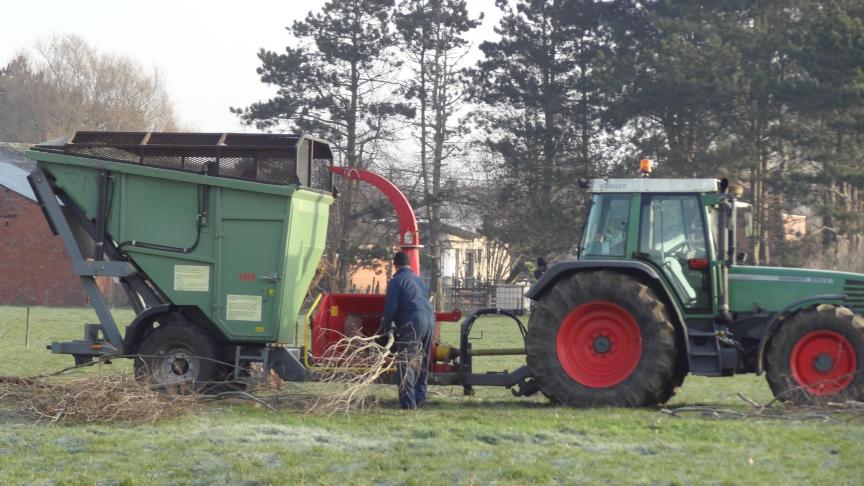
[{"x": 215, "y": 238}]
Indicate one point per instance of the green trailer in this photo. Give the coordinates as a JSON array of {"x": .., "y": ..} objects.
[{"x": 215, "y": 238}]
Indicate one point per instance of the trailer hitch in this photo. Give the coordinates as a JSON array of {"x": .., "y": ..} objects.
[{"x": 466, "y": 354}]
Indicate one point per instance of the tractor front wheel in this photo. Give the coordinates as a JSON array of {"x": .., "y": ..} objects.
[
  {"x": 817, "y": 355},
  {"x": 179, "y": 358},
  {"x": 602, "y": 338}
]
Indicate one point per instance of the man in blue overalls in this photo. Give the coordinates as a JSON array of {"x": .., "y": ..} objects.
[{"x": 407, "y": 305}]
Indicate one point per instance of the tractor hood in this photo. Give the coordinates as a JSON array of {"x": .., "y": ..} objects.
[{"x": 774, "y": 288}]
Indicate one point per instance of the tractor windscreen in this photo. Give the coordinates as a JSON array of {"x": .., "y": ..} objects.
[{"x": 606, "y": 230}]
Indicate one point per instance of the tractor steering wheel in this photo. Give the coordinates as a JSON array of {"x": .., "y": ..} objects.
[{"x": 677, "y": 248}]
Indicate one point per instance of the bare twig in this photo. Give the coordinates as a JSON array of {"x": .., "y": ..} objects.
[
  {"x": 752, "y": 402},
  {"x": 777, "y": 409},
  {"x": 352, "y": 366}
]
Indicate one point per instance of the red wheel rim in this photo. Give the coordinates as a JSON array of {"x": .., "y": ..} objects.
[
  {"x": 599, "y": 344},
  {"x": 823, "y": 362}
]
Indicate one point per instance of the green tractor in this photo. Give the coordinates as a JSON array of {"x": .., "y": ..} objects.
[{"x": 660, "y": 290}]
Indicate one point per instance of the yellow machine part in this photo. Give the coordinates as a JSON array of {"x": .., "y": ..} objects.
[{"x": 445, "y": 352}]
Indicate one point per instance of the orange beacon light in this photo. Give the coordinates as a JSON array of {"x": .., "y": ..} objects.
[{"x": 645, "y": 167}]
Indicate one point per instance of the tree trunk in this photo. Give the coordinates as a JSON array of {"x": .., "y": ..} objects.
[
  {"x": 347, "y": 221},
  {"x": 439, "y": 107}
]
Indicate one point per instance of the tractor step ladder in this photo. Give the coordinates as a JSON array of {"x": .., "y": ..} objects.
[{"x": 707, "y": 357}]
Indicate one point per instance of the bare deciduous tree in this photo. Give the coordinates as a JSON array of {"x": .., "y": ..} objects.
[
  {"x": 433, "y": 41},
  {"x": 67, "y": 85}
]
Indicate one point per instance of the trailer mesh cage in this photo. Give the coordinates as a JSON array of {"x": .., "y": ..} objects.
[{"x": 270, "y": 158}]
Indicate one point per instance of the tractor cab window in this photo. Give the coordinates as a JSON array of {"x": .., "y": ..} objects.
[
  {"x": 672, "y": 235},
  {"x": 606, "y": 229}
]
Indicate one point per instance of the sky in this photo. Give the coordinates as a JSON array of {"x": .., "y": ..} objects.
[{"x": 204, "y": 50}]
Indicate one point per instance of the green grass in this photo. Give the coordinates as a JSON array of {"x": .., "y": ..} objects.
[{"x": 489, "y": 438}]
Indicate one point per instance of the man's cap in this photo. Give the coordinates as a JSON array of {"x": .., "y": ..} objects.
[{"x": 400, "y": 259}]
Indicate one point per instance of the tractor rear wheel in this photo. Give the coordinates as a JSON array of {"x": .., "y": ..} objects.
[
  {"x": 816, "y": 356},
  {"x": 675, "y": 383},
  {"x": 602, "y": 338},
  {"x": 179, "y": 358}
]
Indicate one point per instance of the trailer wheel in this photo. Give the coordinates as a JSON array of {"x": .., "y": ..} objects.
[
  {"x": 179, "y": 358},
  {"x": 816, "y": 356},
  {"x": 602, "y": 339}
]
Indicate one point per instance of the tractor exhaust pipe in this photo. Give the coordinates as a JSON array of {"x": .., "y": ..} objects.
[{"x": 727, "y": 249}]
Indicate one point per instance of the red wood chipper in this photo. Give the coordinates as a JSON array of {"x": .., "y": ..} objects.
[{"x": 334, "y": 316}]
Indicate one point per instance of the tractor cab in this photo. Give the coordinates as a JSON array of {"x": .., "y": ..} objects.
[{"x": 670, "y": 224}]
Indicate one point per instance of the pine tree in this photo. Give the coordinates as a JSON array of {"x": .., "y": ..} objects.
[
  {"x": 432, "y": 36},
  {"x": 337, "y": 81},
  {"x": 825, "y": 120},
  {"x": 673, "y": 81},
  {"x": 537, "y": 112}
]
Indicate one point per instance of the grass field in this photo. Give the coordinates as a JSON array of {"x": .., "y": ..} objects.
[{"x": 490, "y": 438}]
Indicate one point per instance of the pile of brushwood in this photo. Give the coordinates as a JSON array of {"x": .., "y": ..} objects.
[
  {"x": 102, "y": 396},
  {"x": 346, "y": 379}
]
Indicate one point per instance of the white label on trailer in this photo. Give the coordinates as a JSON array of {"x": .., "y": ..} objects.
[
  {"x": 243, "y": 308},
  {"x": 192, "y": 278}
]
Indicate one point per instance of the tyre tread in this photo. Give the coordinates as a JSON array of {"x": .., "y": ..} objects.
[
  {"x": 657, "y": 373},
  {"x": 782, "y": 341}
]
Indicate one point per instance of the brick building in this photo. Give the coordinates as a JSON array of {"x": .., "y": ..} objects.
[{"x": 34, "y": 267}]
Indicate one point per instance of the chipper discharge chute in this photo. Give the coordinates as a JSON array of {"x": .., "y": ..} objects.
[{"x": 215, "y": 238}]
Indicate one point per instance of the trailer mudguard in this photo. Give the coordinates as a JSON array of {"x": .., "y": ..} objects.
[{"x": 135, "y": 330}]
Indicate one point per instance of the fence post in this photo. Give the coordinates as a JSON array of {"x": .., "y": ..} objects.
[{"x": 27, "y": 328}]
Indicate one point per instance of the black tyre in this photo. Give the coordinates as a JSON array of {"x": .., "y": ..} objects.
[
  {"x": 677, "y": 380},
  {"x": 816, "y": 356},
  {"x": 602, "y": 338},
  {"x": 180, "y": 358}
]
